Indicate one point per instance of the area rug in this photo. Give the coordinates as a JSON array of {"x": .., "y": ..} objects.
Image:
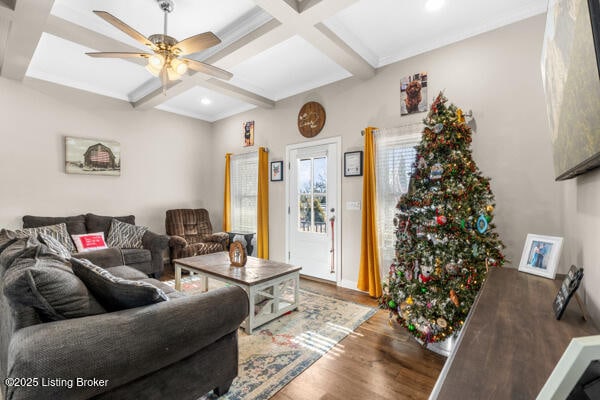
[{"x": 280, "y": 350}]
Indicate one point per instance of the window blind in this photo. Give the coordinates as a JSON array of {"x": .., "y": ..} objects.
[
  {"x": 244, "y": 184},
  {"x": 394, "y": 159}
]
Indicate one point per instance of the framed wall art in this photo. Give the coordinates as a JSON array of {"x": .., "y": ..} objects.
[
  {"x": 92, "y": 156},
  {"x": 248, "y": 133},
  {"x": 353, "y": 163},
  {"x": 276, "y": 171}
]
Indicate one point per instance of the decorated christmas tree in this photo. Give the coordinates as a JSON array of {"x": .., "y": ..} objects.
[{"x": 445, "y": 235}]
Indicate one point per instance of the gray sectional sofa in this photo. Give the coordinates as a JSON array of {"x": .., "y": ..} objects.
[{"x": 181, "y": 348}]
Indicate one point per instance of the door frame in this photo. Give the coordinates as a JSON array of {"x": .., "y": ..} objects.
[{"x": 338, "y": 204}]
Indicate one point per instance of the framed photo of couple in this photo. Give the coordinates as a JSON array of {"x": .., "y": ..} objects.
[{"x": 540, "y": 255}]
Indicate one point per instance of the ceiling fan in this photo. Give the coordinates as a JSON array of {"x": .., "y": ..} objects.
[{"x": 166, "y": 61}]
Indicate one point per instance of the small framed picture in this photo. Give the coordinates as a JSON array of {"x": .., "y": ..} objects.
[
  {"x": 540, "y": 255},
  {"x": 353, "y": 163},
  {"x": 276, "y": 171}
]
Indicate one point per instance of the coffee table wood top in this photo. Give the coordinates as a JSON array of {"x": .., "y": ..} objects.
[{"x": 256, "y": 270}]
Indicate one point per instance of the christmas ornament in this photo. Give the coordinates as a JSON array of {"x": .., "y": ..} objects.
[
  {"x": 441, "y": 220},
  {"x": 475, "y": 250},
  {"x": 454, "y": 298},
  {"x": 425, "y": 275},
  {"x": 411, "y": 327},
  {"x": 438, "y": 128},
  {"x": 392, "y": 304},
  {"x": 459, "y": 116},
  {"x": 422, "y": 164},
  {"x": 436, "y": 172},
  {"x": 489, "y": 208},
  {"x": 409, "y": 300},
  {"x": 452, "y": 268},
  {"x": 482, "y": 224},
  {"x": 442, "y": 323}
]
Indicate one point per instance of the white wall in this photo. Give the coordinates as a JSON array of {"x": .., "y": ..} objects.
[
  {"x": 496, "y": 74},
  {"x": 164, "y": 156}
]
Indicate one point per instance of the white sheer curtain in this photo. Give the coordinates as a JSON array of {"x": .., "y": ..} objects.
[
  {"x": 244, "y": 184},
  {"x": 394, "y": 158}
]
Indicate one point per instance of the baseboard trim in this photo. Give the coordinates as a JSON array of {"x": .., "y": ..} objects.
[{"x": 349, "y": 285}]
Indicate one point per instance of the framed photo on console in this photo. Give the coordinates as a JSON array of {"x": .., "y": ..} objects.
[{"x": 540, "y": 255}]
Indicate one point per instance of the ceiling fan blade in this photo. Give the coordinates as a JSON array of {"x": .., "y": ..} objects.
[
  {"x": 122, "y": 26},
  {"x": 208, "y": 69},
  {"x": 197, "y": 43},
  {"x": 107, "y": 54}
]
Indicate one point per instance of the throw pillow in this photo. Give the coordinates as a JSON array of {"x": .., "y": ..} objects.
[
  {"x": 49, "y": 286},
  {"x": 54, "y": 245},
  {"x": 116, "y": 293},
  {"x": 58, "y": 232},
  {"x": 89, "y": 242},
  {"x": 125, "y": 236}
]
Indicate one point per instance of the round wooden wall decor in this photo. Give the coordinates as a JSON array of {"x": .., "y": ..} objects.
[{"x": 311, "y": 119}]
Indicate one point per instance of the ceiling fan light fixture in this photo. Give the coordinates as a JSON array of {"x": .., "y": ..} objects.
[
  {"x": 156, "y": 60},
  {"x": 179, "y": 66},
  {"x": 152, "y": 69},
  {"x": 172, "y": 74}
]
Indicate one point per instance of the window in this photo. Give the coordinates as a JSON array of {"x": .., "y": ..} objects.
[
  {"x": 395, "y": 156},
  {"x": 244, "y": 185},
  {"x": 312, "y": 194}
]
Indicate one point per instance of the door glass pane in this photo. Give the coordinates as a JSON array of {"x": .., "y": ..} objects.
[
  {"x": 320, "y": 174},
  {"x": 305, "y": 176},
  {"x": 304, "y": 213},
  {"x": 320, "y": 213}
]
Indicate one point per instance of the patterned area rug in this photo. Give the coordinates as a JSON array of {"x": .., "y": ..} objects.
[{"x": 280, "y": 350}]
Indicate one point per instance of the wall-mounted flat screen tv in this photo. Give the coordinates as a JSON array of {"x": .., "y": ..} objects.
[{"x": 571, "y": 77}]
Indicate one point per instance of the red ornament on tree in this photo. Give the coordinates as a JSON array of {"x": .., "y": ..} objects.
[{"x": 441, "y": 220}]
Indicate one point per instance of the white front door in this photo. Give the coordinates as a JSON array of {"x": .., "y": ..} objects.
[{"x": 313, "y": 186}]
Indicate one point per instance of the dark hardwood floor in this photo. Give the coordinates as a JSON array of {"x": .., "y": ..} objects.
[{"x": 377, "y": 361}]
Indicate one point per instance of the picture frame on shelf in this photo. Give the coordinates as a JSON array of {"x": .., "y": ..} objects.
[
  {"x": 540, "y": 255},
  {"x": 237, "y": 254},
  {"x": 276, "y": 171},
  {"x": 353, "y": 163}
]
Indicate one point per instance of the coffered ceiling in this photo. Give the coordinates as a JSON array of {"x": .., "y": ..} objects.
[{"x": 274, "y": 48}]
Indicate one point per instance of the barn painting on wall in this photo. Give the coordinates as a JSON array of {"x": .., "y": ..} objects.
[{"x": 92, "y": 156}]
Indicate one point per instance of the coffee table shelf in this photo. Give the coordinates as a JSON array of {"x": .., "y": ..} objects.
[{"x": 272, "y": 287}]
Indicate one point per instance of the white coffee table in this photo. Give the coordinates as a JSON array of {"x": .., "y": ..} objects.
[{"x": 272, "y": 287}]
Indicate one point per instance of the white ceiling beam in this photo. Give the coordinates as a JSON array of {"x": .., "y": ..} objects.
[
  {"x": 156, "y": 97},
  {"x": 25, "y": 32},
  {"x": 255, "y": 42},
  {"x": 77, "y": 34},
  {"x": 307, "y": 24}
]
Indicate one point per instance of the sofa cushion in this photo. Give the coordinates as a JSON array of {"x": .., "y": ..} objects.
[
  {"x": 125, "y": 236},
  {"x": 75, "y": 224},
  {"x": 89, "y": 242},
  {"x": 101, "y": 223},
  {"x": 54, "y": 245},
  {"x": 168, "y": 290},
  {"x": 116, "y": 293},
  {"x": 50, "y": 287},
  {"x": 58, "y": 232},
  {"x": 105, "y": 258}
]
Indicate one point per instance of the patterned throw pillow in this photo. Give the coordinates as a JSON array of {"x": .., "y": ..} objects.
[
  {"x": 89, "y": 242},
  {"x": 54, "y": 245},
  {"x": 125, "y": 236},
  {"x": 58, "y": 232},
  {"x": 116, "y": 293}
]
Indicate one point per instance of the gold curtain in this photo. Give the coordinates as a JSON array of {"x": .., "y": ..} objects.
[
  {"x": 227, "y": 195},
  {"x": 262, "y": 223},
  {"x": 369, "y": 278}
]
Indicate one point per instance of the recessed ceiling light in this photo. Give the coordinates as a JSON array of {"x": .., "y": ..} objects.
[
  {"x": 206, "y": 101},
  {"x": 434, "y": 5}
]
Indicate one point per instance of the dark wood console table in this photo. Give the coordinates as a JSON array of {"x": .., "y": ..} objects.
[{"x": 511, "y": 341}]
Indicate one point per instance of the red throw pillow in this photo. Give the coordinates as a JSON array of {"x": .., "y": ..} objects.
[{"x": 89, "y": 242}]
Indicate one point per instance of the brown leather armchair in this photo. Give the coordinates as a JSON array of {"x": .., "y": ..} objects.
[{"x": 191, "y": 234}]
